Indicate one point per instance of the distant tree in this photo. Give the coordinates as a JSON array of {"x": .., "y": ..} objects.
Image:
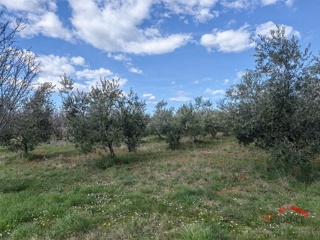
[
  {"x": 58, "y": 121},
  {"x": 133, "y": 120},
  {"x": 31, "y": 125},
  {"x": 165, "y": 124},
  {"x": 18, "y": 68},
  {"x": 158, "y": 120},
  {"x": 192, "y": 118},
  {"x": 277, "y": 104},
  {"x": 212, "y": 122}
]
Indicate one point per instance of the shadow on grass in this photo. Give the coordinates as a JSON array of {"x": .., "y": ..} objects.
[
  {"x": 306, "y": 174},
  {"x": 104, "y": 162},
  {"x": 15, "y": 185}
]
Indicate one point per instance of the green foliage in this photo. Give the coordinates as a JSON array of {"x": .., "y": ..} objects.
[
  {"x": 191, "y": 117},
  {"x": 164, "y": 123},
  {"x": 191, "y": 120},
  {"x": 102, "y": 117},
  {"x": 133, "y": 120},
  {"x": 31, "y": 125},
  {"x": 277, "y": 104}
]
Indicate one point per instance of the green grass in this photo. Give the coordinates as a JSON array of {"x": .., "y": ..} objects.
[{"x": 214, "y": 189}]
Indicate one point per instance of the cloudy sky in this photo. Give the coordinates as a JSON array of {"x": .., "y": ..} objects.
[{"x": 163, "y": 49}]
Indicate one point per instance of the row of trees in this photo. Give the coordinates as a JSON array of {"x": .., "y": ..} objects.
[
  {"x": 276, "y": 105},
  {"x": 191, "y": 120}
]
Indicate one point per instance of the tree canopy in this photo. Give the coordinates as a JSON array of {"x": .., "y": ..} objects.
[{"x": 277, "y": 104}]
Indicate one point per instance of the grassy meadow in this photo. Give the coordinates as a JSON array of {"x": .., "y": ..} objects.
[{"x": 214, "y": 189}]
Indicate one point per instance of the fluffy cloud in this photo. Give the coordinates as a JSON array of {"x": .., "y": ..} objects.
[
  {"x": 53, "y": 67},
  {"x": 135, "y": 70},
  {"x": 41, "y": 18},
  {"x": 214, "y": 92},
  {"x": 78, "y": 61},
  {"x": 37, "y": 6},
  {"x": 113, "y": 26},
  {"x": 47, "y": 24},
  {"x": 239, "y": 40},
  {"x": 228, "y": 41},
  {"x": 264, "y": 29},
  {"x": 93, "y": 74}
]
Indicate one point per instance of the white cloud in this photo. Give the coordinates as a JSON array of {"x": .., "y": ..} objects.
[
  {"x": 149, "y": 96},
  {"x": 228, "y": 41},
  {"x": 264, "y": 29},
  {"x": 93, "y": 74},
  {"x": 53, "y": 67},
  {"x": 289, "y": 2},
  {"x": 114, "y": 26},
  {"x": 239, "y": 40},
  {"x": 151, "y": 102},
  {"x": 78, "y": 61},
  {"x": 180, "y": 99},
  {"x": 214, "y": 92},
  {"x": 173, "y": 82},
  {"x": 231, "y": 23},
  {"x": 239, "y": 74},
  {"x": 47, "y": 24},
  {"x": 30, "y": 6},
  {"x": 135, "y": 70},
  {"x": 199, "y": 9},
  {"x": 225, "y": 81},
  {"x": 268, "y": 2},
  {"x": 119, "y": 57},
  {"x": 238, "y": 4}
]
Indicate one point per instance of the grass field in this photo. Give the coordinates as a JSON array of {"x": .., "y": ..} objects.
[{"x": 214, "y": 189}]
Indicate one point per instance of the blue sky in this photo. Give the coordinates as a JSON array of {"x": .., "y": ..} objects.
[{"x": 172, "y": 50}]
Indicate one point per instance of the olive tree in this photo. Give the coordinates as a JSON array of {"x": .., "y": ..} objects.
[
  {"x": 31, "y": 124},
  {"x": 193, "y": 118},
  {"x": 277, "y": 104},
  {"x": 166, "y": 125},
  {"x": 103, "y": 117},
  {"x": 92, "y": 116},
  {"x": 18, "y": 68},
  {"x": 133, "y": 120}
]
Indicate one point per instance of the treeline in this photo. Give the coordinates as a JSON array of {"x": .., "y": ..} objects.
[{"x": 276, "y": 106}]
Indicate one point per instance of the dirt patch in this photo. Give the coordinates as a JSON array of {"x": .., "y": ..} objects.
[
  {"x": 232, "y": 190},
  {"x": 33, "y": 161}
]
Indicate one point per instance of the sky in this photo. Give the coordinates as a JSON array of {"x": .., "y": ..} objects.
[{"x": 171, "y": 50}]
